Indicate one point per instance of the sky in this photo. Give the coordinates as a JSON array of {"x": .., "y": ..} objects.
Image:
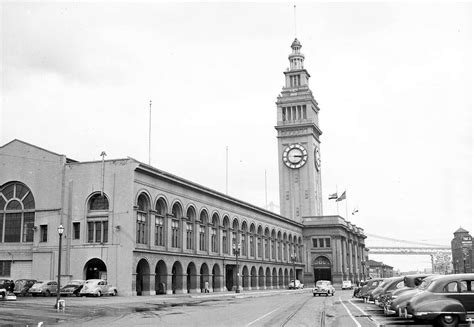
[{"x": 393, "y": 81}]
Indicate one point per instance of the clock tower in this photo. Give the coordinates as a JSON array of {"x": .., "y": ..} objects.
[{"x": 298, "y": 143}]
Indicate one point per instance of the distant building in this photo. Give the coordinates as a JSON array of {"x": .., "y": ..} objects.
[
  {"x": 461, "y": 247},
  {"x": 378, "y": 269}
]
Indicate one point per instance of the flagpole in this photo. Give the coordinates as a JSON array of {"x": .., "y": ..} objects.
[
  {"x": 337, "y": 202},
  {"x": 347, "y": 216}
]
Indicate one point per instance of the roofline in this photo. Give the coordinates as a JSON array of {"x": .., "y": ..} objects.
[
  {"x": 40, "y": 148},
  {"x": 163, "y": 174}
]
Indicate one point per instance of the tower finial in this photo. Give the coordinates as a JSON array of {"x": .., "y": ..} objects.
[{"x": 294, "y": 7}]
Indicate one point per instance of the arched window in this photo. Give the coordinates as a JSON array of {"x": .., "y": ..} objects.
[
  {"x": 259, "y": 241},
  {"x": 160, "y": 222},
  {"x": 98, "y": 219},
  {"x": 17, "y": 213},
  {"x": 215, "y": 226},
  {"x": 252, "y": 240},
  {"x": 175, "y": 229},
  {"x": 203, "y": 231},
  {"x": 266, "y": 241},
  {"x": 191, "y": 215},
  {"x": 142, "y": 218},
  {"x": 225, "y": 235}
]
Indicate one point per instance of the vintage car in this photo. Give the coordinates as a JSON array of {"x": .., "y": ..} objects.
[
  {"x": 323, "y": 287},
  {"x": 22, "y": 286},
  {"x": 44, "y": 288},
  {"x": 295, "y": 284},
  {"x": 97, "y": 287},
  {"x": 358, "y": 288},
  {"x": 396, "y": 305},
  {"x": 384, "y": 290},
  {"x": 447, "y": 300},
  {"x": 367, "y": 289},
  {"x": 347, "y": 285},
  {"x": 73, "y": 287}
]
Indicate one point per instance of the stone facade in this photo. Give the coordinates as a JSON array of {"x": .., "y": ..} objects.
[{"x": 150, "y": 232}]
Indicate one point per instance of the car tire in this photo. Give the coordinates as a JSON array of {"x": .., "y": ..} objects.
[
  {"x": 447, "y": 320},
  {"x": 114, "y": 293},
  {"x": 47, "y": 293},
  {"x": 99, "y": 294},
  {"x": 314, "y": 295}
]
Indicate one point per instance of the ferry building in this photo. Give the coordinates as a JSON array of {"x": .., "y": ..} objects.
[{"x": 149, "y": 232}]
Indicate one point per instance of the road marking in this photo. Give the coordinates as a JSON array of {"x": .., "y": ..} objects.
[
  {"x": 366, "y": 314},
  {"x": 350, "y": 314},
  {"x": 250, "y": 323}
]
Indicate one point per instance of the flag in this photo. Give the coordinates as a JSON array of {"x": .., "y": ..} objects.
[
  {"x": 355, "y": 211},
  {"x": 332, "y": 196},
  {"x": 342, "y": 197}
]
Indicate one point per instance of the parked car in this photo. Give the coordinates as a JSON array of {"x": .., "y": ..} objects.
[
  {"x": 323, "y": 287},
  {"x": 22, "y": 286},
  {"x": 73, "y": 287},
  {"x": 446, "y": 301},
  {"x": 295, "y": 284},
  {"x": 399, "y": 300},
  {"x": 358, "y": 288},
  {"x": 97, "y": 287},
  {"x": 369, "y": 287},
  {"x": 347, "y": 285},
  {"x": 7, "y": 284},
  {"x": 44, "y": 288},
  {"x": 384, "y": 290}
]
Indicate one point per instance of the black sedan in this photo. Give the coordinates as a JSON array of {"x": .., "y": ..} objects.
[
  {"x": 447, "y": 300},
  {"x": 72, "y": 288}
]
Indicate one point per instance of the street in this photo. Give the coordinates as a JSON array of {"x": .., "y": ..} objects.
[{"x": 254, "y": 308}]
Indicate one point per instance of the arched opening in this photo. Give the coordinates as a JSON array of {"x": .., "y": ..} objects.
[
  {"x": 245, "y": 278},
  {"x": 95, "y": 269},
  {"x": 268, "y": 278},
  {"x": 204, "y": 278},
  {"x": 261, "y": 278},
  {"x": 274, "y": 278},
  {"x": 143, "y": 277},
  {"x": 287, "y": 278},
  {"x": 216, "y": 278},
  {"x": 253, "y": 278},
  {"x": 191, "y": 278},
  {"x": 177, "y": 278},
  {"x": 280, "y": 278},
  {"x": 322, "y": 269},
  {"x": 161, "y": 274}
]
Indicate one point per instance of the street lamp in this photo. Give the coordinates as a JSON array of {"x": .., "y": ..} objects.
[
  {"x": 293, "y": 260},
  {"x": 236, "y": 250},
  {"x": 58, "y": 293}
]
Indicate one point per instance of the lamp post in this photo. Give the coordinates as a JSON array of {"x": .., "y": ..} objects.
[
  {"x": 236, "y": 249},
  {"x": 293, "y": 260},
  {"x": 58, "y": 295}
]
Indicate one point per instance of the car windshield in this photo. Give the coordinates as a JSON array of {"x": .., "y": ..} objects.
[
  {"x": 321, "y": 283},
  {"x": 38, "y": 284}
]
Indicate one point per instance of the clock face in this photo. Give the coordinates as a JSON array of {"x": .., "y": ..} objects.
[
  {"x": 295, "y": 156},
  {"x": 317, "y": 159}
]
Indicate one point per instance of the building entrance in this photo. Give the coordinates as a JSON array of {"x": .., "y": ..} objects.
[
  {"x": 322, "y": 269},
  {"x": 95, "y": 269}
]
